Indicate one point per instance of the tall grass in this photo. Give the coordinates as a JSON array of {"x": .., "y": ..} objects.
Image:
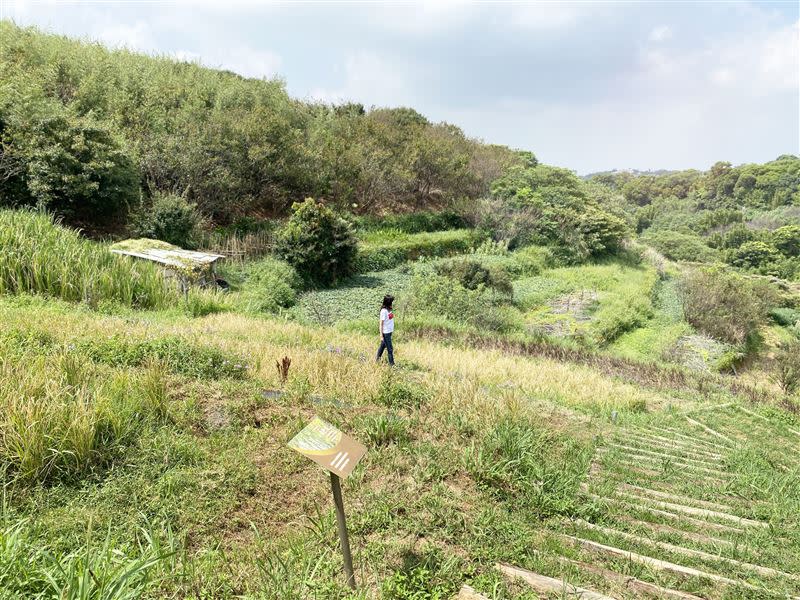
[
  {"x": 61, "y": 416},
  {"x": 39, "y": 256},
  {"x": 94, "y": 572}
]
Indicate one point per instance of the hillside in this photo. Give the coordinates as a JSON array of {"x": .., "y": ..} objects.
[{"x": 594, "y": 393}]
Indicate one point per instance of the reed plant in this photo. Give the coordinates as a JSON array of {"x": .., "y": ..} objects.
[{"x": 39, "y": 256}]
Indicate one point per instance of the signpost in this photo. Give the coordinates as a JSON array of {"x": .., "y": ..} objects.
[{"x": 338, "y": 454}]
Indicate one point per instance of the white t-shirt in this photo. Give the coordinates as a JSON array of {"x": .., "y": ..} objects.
[{"x": 387, "y": 318}]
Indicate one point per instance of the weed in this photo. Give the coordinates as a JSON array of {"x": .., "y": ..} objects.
[{"x": 382, "y": 430}]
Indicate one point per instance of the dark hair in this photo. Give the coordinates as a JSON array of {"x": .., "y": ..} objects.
[{"x": 387, "y": 302}]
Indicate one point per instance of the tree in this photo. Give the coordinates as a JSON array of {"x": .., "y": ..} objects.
[
  {"x": 787, "y": 240},
  {"x": 753, "y": 255},
  {"x": 71, "y": 165},
  {"x": 319, "y": 244}
]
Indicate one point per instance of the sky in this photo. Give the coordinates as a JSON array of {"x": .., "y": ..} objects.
[{"x": 589, "y": 86}]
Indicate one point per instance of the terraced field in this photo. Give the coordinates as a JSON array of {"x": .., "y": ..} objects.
[{"x": 685, "y": 506}]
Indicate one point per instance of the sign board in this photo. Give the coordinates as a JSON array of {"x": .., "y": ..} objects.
[{"x": 327, "y": 446}]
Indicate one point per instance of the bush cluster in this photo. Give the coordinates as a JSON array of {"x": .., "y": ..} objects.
[
  {"x": 271, "y": 284},
  {"x": 724, "y": 305},
  {"x": 319, "y": 244},
  {"x": 473, "y": 275},
  {"x": 169, "y": 218}
]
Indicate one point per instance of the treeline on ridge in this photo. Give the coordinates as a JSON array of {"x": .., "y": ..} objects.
[{"x": 89, "y": 133}]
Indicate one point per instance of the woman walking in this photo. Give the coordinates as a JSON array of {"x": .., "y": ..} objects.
[{"x": 386, "y": 329}]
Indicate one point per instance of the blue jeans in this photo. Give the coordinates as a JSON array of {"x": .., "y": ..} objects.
[{"x": 386, "y": 344}]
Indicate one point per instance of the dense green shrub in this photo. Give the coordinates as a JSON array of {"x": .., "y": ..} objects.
[
  {"x": 270, "y": 284},
  {"x": 169, "y": 218},
  {"x": 784, "y": 316},
  {"x": 679, "y": 246},
  {"x": 733, "y": 238},
  {"x": 473, "y": 275},
  {"x": 753, "y": 255},
  {"x": 725, "y": 305},
  {"x": 787, "y": 240},
  {"x": 319, "y": 244},
  {"x": 70, "y": 165},
  {"x": 556, "y": 208}
]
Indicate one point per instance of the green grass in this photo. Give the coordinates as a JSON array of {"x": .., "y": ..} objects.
[
  {"x": 141, "y": 458},
  {"x": 389, "y": 248}
]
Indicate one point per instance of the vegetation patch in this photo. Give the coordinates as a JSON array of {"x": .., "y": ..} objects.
[{"x": 174, "y": 353}]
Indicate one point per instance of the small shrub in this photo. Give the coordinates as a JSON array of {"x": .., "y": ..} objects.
[
  {"x": 787, "y": 367},
  {"x": 319, "y": 244},
  {"x": 523, "y": 464},
  {"x": 396, "y": 393},
  {"x": 417, "y": 583},
  {"x": 383, "y": 430},
  {"x": 786, "y": 317},
  {"x": 724, "y": 305},
  {"x": 473, "y": 275},
  {"x": 271, "y": 284},
  {"x": 170, "y": 218}
]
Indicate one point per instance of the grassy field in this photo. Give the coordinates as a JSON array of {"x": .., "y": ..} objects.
[{"x": 143, "y": 451}]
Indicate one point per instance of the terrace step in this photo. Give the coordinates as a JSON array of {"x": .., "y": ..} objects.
[
  {"x": 678, "y": 451},
  {"x": 679, "y": 499},
  {"x": 689, "y": 438},
  {"x": 697, "y": 512},
  {"x": 654, "y": 441},
  {"x": 661, "y": 436},
  {"x": 675, "y": 516},
  {"x": 658, "y": 564},
  {"x": 542, "y": 584},
  {"x": 682, "y": 464},
  {"x": 708, "y": 429},
  {"x": 685, "y": 551},
  {"x": 632, "y": 583},
  {"x": 700, "y": 462},
  {"x": 661, "y": 528}
]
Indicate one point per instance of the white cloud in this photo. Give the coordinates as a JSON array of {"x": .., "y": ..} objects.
[
  {"x": 133, "y": 37},
  {"x": 372, "y": 80},
  {"x": 660, "y": 33},
  {"x": 542, "y": 16}
]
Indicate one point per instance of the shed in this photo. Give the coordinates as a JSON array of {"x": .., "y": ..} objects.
[{"x": 186, "y": 265}]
